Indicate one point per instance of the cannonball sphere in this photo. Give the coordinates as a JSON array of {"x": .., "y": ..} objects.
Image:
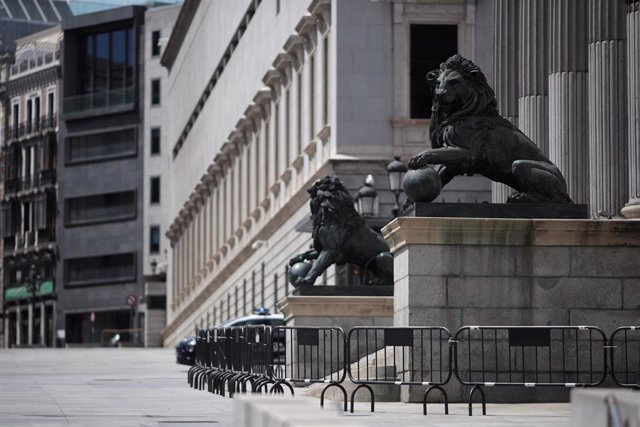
[
  {"x": 298, "y": 270},
  {"x": 422, "y": 185}
]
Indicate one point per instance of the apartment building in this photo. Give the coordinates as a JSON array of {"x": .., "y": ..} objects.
[
  {"x": 29, "y": 206},
  {"x": 100, "y": 169}
]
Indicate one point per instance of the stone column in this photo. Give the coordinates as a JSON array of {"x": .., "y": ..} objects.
[
  {"x": 6, "y": 330},
  {"x": 42, "y": 324},
  {"x": 632, "y": 208},
  {"x": 18, "y": 322},
  {"x": 607, "y": 107},
  {"x": 533, "y": 105},
  {"x": 505, "y": 69},
  {"x": 568, "y": 111},
  {"x": 54, "y": 325},
  {"x": 30, "y": 325}
]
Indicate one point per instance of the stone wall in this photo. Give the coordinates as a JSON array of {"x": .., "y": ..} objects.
[{"x": 465, "y": 271}]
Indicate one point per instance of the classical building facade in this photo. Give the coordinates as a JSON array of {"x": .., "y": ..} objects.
[
  {"x": 30, "y": 192},
  {"x": 266, "y": 96},
  {"x": 567, "y": 74}
]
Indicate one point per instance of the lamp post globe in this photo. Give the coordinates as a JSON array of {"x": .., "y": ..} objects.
[
  {"x": 396, "y": 171},
  {"x": 367, "y": 198}
]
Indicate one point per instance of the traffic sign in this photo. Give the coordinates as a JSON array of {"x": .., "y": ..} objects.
[{"x": 131, "y": 300}]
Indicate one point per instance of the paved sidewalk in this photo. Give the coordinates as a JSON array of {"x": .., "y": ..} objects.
[{"x": 144, "y": 387}]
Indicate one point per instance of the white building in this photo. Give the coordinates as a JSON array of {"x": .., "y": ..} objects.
[
  {"x": 157, "y": 159},
  {"x": 265, "y": 97}
]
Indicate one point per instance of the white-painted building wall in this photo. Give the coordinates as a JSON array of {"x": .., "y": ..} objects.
[{"x": 231, "y": 222}]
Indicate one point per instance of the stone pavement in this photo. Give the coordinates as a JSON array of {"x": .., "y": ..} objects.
[{"x": 145, "y": 387}]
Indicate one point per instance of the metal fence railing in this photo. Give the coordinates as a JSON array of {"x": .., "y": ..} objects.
[
  {"x": 624, "y": 364},
  {"x": 529, "y": 356},
  {"x": 311, "y": 355},
  {"x": 271, "y": 359},
  {"x": 400, "y": 356}
]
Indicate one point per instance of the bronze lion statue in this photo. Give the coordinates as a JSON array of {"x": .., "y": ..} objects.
[
  {"x": 340, "y": 236},
  {"x": 468, "y": 136}
]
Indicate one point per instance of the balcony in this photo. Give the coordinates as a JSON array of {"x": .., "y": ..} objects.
[
  {"x": 32, "y": 127},
  {"x": 107, "y": 102},
  {"x": 29, "y": 239},
  {"x": 42, "y": 178}
]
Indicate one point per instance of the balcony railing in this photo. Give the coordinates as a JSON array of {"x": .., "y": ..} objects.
[
  {"x": 29, "y": 239},
  {"x": 43, "y": 177},
  {"x": 94, "y": 103},
  {"x": 30, "y": 127}
]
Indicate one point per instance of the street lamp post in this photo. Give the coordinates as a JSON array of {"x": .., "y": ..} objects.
[{"x": 396, "y": 171}]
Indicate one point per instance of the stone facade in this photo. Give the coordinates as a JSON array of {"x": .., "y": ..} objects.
[
  {"x": 325, "y": 90},
  {"x": 457, "y": 272}
]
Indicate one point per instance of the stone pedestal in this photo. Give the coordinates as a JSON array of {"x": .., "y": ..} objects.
[
  {"x": 469, "y": 271},
  {"x": 342, "y": 311}
]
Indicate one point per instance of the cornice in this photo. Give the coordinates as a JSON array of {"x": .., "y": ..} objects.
[{"x": 405, "y": 231}]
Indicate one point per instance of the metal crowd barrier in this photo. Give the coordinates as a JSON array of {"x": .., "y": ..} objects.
[
  {"x": 400, "y": 356},
  {"x": 625, "y": 356},
  {"x": 270, "y": 359},
  {"x": 312, "y": 355},
  {"x": 529, "y": 356}
]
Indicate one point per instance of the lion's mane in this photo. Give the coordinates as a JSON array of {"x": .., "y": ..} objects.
[
  {"x": 331, "y": 203},
  {"x": 481, "y": 102}
]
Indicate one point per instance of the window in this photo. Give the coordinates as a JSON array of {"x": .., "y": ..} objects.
[
  {"x": 155, "y": 190},
  {"x": 100, "y": 208},
  {"x": 430, "y": 46},
  {"x": 155, "y": 140},
  {"x": 155, "y": 92},
  {"x": 154, "y": 239},
  {"x": 101, "y": 146},
  {"x": 100, "y": 269},
  {"x": 106, "y": 61},
  {"x": 15, "y": 115},
  {"x": 50, "y": 104},
  {"x": 155, "y": 43}
]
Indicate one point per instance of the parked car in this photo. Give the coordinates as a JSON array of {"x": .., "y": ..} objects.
[{"x": 186, "y": 351}]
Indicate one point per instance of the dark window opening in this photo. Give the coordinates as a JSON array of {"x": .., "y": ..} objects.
[
  {"x": 157, "y": 302},
  {"x": 155, "y": 92},
  {"x": 50, "y": 104},
  {"x": 154, "y": 239},
  {"x": 155, "y": 43},
  {"x": 431, "y": 45},
  {"x": 100, "y": 208},
  {"x": 106, "y": 61},
  {"x": 101, "y": 146},
  {"x": 155, "y": 141},
  {"x": 155, "y": 190},
  {"x": 100, "y": 269}
]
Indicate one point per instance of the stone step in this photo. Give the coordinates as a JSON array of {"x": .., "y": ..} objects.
[
  {"x": 605, "y": 408},
  {"x": 253, "y": 410}
]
